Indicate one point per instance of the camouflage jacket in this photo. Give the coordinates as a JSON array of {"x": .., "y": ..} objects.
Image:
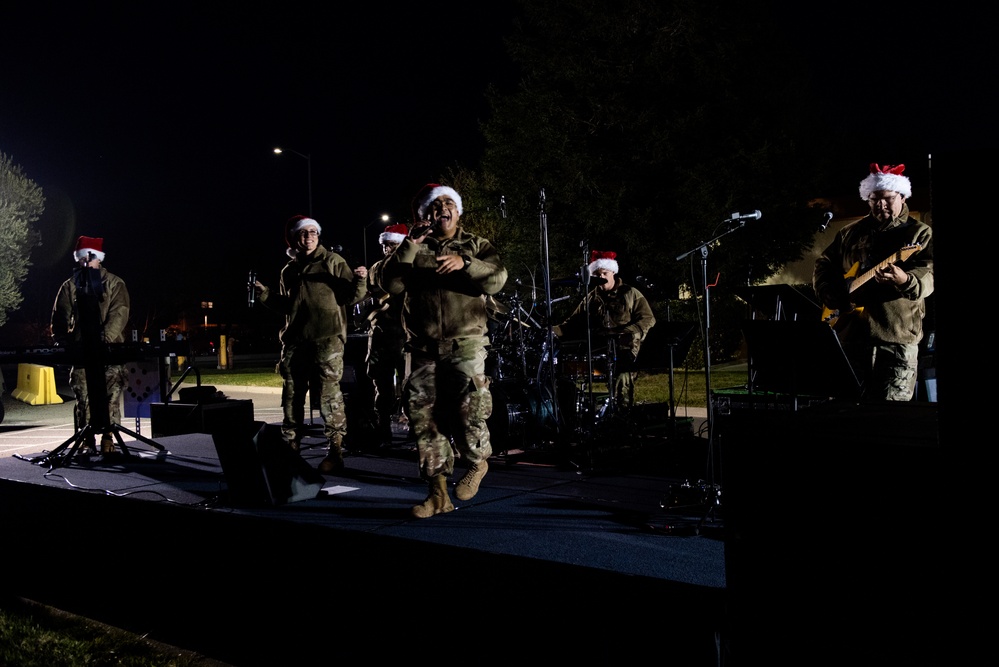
[
  {"x": 314, "y": 294},
  {"x": 622, "y": 313},
  {"x": 888, "y": 313},
  {"x": 114, "y": 308},
  {"x": 439, "y": 308}
]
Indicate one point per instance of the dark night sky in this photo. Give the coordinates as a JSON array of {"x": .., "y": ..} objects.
[{"x": 154, "y": 127}]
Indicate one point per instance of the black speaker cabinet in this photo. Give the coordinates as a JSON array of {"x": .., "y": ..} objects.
[
  {"x": 179, "y": 418},
  {"x": 261, "y": 471}
]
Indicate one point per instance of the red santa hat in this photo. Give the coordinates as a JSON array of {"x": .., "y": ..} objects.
[
  {"x": 885, "y": 178},
  {"x": 603, "y": 259},
  {"x": 85, "y": 246},
  {"x": 394, "y": 234},
  {"x": 296, "y": 224},
  {"x": 430, "y": 192}
]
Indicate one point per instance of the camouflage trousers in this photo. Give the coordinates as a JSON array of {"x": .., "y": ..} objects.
[
  {"x": 448, "y": 401},
  {"x": 315, "y": 365},
  {"x": 624, "y": 391},
  {"x": 115, "y": 384},
  {"x": 387, "y": 367},
  {"x": 887, "y": 371}
]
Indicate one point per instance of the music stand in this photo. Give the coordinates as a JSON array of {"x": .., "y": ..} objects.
[
  {"x": 799, "y": 358},
  {"x": 665, "y": 345}
]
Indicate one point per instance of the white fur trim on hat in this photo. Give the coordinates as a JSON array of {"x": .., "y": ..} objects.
[
  {"x": 434, "y": 194},
  {"x": 887, "y": 178},
  {"x": 391, "y": 237},
  {"x": 609, "y": 264},
  {"x": 83, "y": 253},
  {"x": 306, "y": 222}
]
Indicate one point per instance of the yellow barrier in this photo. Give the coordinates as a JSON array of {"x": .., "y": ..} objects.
[{"x": 36, "y": 385}]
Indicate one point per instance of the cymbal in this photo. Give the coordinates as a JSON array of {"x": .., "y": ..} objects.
[{"x": 496, "y": 307}]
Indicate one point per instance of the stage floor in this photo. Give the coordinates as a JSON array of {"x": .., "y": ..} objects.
[{"x": 623, "y": 517}]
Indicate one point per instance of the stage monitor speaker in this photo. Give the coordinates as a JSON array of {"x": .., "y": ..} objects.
[{"x": 261, "y": 470}]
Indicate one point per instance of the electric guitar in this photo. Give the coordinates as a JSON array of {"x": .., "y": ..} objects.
[
  {"x": 838, "y": 320},
  {"x": 367, "y": 309}
]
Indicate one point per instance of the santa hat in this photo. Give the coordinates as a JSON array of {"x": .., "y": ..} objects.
[
  {"x": 603, "y": 259},
  {"x": 86, "y": 245},
  {"x": 394, "y": 234},
  {"x": 297, "y": 223},
  {"x": 430, "y": 192},
  {"x": 886, "y": 178}
]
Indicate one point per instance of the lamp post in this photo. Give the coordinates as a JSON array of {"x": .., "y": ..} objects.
[
  {"x": 383, "y": 218},
  {"x": 308, "y": 162}
]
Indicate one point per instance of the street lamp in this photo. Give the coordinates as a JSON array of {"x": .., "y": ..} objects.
[
  {"x": 308, "y": 162},
  {"x": 383, "y": 218}
]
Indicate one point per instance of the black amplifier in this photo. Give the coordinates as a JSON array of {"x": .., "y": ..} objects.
[{"x": 736, "y": 400}]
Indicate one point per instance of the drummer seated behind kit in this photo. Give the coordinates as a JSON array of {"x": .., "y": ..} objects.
[{"x": 618, "y": 313}]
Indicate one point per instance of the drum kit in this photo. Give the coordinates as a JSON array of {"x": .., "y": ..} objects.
[{"x": 546, "y": 391}]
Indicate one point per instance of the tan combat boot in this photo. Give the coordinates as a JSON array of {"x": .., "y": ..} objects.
[
  {"x": 469, "y": 484},
  {"x": 334, "y": 458},
  {"x": 438, "y": 501}
]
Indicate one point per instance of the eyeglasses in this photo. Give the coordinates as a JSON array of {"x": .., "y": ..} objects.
[
  {"x": 305, "y": 233},
  {"x": 890, "y": 201},
  {"x": 438, "y": 205}
]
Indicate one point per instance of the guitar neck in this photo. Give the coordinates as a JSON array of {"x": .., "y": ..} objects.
[{"x": 867, "y": 275}]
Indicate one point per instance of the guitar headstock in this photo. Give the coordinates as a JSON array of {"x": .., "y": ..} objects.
[{"x": 908, "y": 251}]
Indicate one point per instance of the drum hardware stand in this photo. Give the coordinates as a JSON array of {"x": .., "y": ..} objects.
[
  {"x": 547, "y": 378},
  {"x": 549, "y": 361},
  {"x": 89, "y": 293}
]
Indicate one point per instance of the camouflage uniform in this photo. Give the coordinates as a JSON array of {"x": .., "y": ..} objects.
[
  {"x": 387, "y": 358},
  {"x": 447, "y": 393},
  {"x": 623, "y": 315},
  {"x": 882, "y": 342},
  {"x": 114, "y": 312},
  {"x": 314, "y": 293}
]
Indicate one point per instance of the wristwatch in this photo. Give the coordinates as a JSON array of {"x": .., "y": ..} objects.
[{"x": 467, "y": 260}]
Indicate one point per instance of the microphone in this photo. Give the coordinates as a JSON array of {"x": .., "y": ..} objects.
[
  {"x": 594, "y": 280},
  {"x": 251, "y": 292},
  {"x": 755, "y": 215},
  {"x": 826, "y": 219}
]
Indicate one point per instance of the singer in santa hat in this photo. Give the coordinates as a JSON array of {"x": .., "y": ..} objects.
[
  {"x": 444, "y": 274},
  {"x": 315, "y": 289},
  {"x": 110, "y": 295},
  {"x": 873, "y": 280},
  {"x": 387, "y": 360},
  {"x": 619, "y": 317}
]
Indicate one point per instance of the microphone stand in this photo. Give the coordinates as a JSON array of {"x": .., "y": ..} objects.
[
  {"x": 548, "y": 354},
  {"x": 706, "y": 290}
]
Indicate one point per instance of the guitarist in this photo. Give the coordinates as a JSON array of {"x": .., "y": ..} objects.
[
  {"x": 881, "y": 322},
  {"x": 387, "y": 360}
]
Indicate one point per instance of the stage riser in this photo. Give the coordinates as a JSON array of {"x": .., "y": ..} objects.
[{"x": 834, "y": 517}]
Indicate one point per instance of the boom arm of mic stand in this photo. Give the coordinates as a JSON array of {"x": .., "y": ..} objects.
[{"x": 702, "y": 247}]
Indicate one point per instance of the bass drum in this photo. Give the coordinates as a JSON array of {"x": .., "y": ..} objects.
[{"x": 521, "y": 417}]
